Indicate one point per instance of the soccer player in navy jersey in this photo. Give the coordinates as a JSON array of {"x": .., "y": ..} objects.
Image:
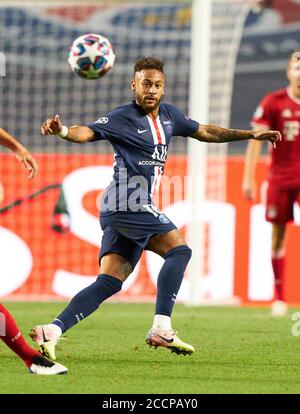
[
  {"x": 9, "y": 331},
  {"x": 140, "y": 133}
]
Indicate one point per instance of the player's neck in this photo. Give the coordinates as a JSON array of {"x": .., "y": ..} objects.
[{"x": 152, "y": 113}]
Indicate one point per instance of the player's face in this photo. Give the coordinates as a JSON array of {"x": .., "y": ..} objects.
[
  {"x": 294, "y": 71},
  {"x": 149, "y": 88}
]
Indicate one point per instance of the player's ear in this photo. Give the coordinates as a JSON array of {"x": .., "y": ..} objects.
[{"x": 133, "y": 85}]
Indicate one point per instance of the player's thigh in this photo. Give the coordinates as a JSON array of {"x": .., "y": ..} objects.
[
  {"x": 118, "y": 255},
  {"x": 163, "y": 243},
  {"x": 115, "y": 265}
]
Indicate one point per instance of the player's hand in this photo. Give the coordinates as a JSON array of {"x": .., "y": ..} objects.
[
  {"x": 28, "y": 162},
  {"x": 272, "y": 136},
  {"x": 249, "y": 190},
  {"x": 52, "y": 126}
]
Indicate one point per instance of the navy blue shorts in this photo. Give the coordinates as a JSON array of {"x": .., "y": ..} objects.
[{"x": 128, "y": 233}]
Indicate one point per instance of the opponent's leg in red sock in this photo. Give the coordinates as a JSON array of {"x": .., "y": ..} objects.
[
  {"x": 11, "y": 335},
  {"x": 278, "y": 269}
]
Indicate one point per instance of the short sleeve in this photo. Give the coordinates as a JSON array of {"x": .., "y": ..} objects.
[
  {"x": 107, "y": 127},
  {"x": 263, "y": 114},
  {"x": 183, "y": 125}
]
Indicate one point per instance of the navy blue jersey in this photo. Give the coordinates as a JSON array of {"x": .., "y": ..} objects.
[{"x": 140, "y": 143}]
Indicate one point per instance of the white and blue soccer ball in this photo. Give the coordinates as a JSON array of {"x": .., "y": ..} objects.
[{"x": 91, "y": 56}]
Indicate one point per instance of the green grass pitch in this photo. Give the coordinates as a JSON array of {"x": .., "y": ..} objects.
[{"x": 238, "y": 350}]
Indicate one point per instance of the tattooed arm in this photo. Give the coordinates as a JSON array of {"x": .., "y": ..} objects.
[{"x": 214, "y": 133}]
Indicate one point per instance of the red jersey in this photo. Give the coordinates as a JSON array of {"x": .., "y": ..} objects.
[{"x": 280, "y": 111}]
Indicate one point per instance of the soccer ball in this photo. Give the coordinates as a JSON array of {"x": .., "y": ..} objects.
[{"x": 91, "y": 56}]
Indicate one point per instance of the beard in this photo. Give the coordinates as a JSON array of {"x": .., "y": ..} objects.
[{"x": 151, "y": 104}]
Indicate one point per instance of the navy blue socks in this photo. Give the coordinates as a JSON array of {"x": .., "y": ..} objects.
[
  {"x": 168, "y": 284},
  {"x": 87, "y": 301},
  {"x": 170, "y": 278}
]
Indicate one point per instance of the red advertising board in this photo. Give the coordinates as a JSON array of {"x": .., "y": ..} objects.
[{"x": 50, "y": 233}]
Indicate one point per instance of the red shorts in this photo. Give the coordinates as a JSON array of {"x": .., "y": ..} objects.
[{"x": 280, "y": 204}]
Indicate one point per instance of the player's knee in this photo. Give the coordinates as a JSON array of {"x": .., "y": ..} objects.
[
  {"x": 116, "y": 266},
  {"x": 125, "y": 269},
  {"x": 278, "y": 236},
  {"x": 121, "y": 272}
]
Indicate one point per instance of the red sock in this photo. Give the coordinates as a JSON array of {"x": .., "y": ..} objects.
[
  {"x": 11, "y": 335},
  {"x": 278, "y": 269}
]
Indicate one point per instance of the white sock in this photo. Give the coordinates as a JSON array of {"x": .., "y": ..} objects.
[
  {"x": 56, "y": 329},
  {"x": 162, "y": 322}
]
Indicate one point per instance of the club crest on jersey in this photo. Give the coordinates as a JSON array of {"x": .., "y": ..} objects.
[
  {"x": 163, "y": 219},
  {"x": 160, "y": 153},
  {"x": 291, "y": 130}
]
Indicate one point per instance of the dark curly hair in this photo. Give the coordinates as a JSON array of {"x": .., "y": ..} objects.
[{"x": 148, "y": 63}]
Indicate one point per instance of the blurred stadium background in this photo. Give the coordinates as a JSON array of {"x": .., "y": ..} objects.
[{"x": 49, "y": 231}]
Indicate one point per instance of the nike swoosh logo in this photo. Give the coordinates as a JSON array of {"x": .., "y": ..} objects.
[
  {"x": 141, "y": 131},
  {"x": 44, "y": 336},
  {"x": 165, "y": 339}
]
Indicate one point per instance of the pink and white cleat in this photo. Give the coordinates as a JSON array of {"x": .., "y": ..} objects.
[{"x": 169, "y": 340}]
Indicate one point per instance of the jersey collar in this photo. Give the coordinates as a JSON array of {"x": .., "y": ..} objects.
[{"x": 140, "y": 108}]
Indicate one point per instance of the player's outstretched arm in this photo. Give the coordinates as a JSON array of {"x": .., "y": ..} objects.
[
  {"x": 22, "y": 154},
  {"x": 76, "y": 133},
  {"x": 214, "y": 133}
]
